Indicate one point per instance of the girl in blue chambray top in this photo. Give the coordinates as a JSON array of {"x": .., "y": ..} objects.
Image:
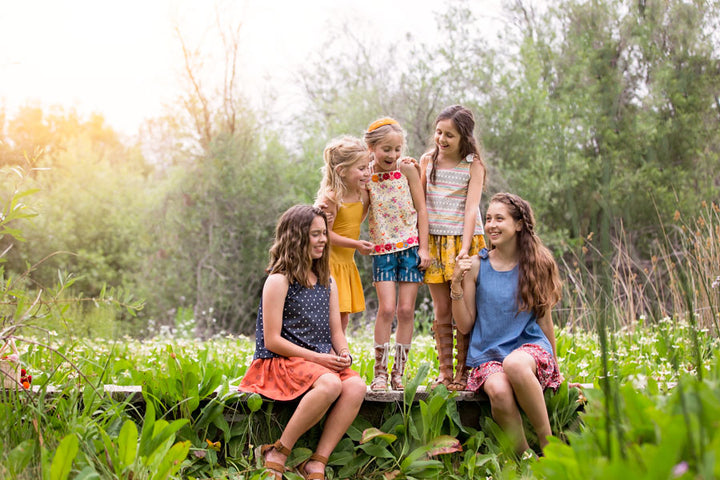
[{"x": 505, "y": 302}]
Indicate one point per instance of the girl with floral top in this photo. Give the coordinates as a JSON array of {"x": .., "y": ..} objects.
[{"x": 399, "y": 232}]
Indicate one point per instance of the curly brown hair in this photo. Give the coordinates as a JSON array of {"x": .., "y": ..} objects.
[
  {"x": 290, "y": 252},
  {"x": 539, "y": 286}
]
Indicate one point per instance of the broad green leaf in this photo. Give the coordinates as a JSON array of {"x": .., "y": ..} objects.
[
  {"x": 444, "y": 444},
  {"x": 172, "y": 461},
  {"x": 371, "y": 433},
  {"x": 254, "y": 402},
  {"x": 375, "y": 450},
  {"x": 63, "y": 459},
  {"x": 147, "y": 428},
  {"x": 163, "y": 432},
  {"x": 349, "y": 470},
  {"x": 87, "y": 473},
  {"x": 413, "y": 383},
  {"x": 127, "y": 443},
  {"x": 20, "y": 456}
]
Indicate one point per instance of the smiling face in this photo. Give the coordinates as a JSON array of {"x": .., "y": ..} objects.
[
  {"x": 387, "y": 152},
  {"x": 447, "y": 138},
  {"x": 356, "y": 176},
  {"x": 500, "y": 226},
  {"x": 318, "y": 237}
]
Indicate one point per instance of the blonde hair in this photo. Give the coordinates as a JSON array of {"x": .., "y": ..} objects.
[
  {"x": 290, "y": 253},
  {"x": 339, "y": 155},
  {"x": 380, "y": 128},
  {"x": 539, "y": 286}
]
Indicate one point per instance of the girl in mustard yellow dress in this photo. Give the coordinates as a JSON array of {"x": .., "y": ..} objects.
[{"x": 344, "y": 197}]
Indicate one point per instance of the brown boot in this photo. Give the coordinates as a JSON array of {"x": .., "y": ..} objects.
[
  {"x": 444, "y": 346},
  {"x": 380, "y": 370},
  {"x": 461, "y": 371},
  {"x": 401, "y": 355}
]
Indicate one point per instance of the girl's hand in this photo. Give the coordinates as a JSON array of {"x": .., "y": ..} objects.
[
  {"x": 329, "y": 212},
  {"x": 364, "y": 247},
  {"x": 463, "y": 263},
  {"x": 463, "y": 253},
  {"x": 425, "y": 259},
  {"x": 413, "y": 162},
  {"x": 335, "y": 362}
]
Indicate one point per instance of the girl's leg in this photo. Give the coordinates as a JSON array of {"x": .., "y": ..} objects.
[
  {"x": 504, "y": 408},
  {"x": 442, "y": 327},
  {"x": 385, "y": 312},
  {"x": 521, "y": 370},
  {"x": 407, "y": 293},
  {"x": 309, "y": 411},
  {"x": 344, "y": 320},
  {"x": 339, "y": 419},
  {"x": 383, "y": 326},
  {"x": 462, "y": 344}
]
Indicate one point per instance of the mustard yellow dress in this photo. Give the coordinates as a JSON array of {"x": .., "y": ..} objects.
[{"x": 342, "y": 260}]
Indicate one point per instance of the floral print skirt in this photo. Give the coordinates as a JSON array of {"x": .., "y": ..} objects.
[
  {"x": 443, "y": 250},
  {"x": 547, "y": 369}
]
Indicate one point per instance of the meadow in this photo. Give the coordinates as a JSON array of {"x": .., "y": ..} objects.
[
  {"x": 665, "y": 406},
  {"x": 653, "y": 410}
]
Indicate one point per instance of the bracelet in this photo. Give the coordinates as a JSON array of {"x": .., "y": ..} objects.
[
  {"x": 346, "y": 351},
  {"x": 456, "y": 296}
]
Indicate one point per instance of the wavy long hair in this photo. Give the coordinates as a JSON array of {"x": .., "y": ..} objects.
[
  {"x": 290, "y": 253},
  {"x": 539, "y": 286},
  {"x": 464, "y": 122},
  {"x": 339, "y": 155}
]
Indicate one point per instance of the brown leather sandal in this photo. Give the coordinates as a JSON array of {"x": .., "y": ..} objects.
[
  {"x": 276, "y": 468},
  {"x": 444, "y": 345},
  {"x": 459, "y": 383},
  {"x": 315, "y": 475}
]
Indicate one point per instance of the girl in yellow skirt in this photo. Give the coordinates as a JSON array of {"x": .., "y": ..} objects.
[
  {"x": 297, "y": 334},
  {"x": 453, "y": 174},
  {"x": 344, "y": 197}
]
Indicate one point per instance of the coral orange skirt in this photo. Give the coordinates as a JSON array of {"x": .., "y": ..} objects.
[{"x": 284, "y": 378}]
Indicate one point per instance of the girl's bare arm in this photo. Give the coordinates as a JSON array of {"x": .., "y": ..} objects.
[
  {"x": 418, "y": 197},
  {"x": 463, "y": 309},
  {"x": 472, "y": 204}
]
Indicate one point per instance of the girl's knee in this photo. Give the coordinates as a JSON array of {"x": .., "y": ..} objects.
[
  {"x": 405, "y": 313},
  {"x": 355, "y": 388},
  {"x": 498, "y": 389},
  {"x": 330, "y": 385},
  {"x": 386, "y": 312},
  {"x": 518, "y": 365}
]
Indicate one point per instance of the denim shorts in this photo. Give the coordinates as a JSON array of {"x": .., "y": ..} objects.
[{"x": 399, "y": 266}]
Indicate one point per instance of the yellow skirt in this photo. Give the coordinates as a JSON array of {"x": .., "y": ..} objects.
[
  {"x": 443, "y": 250},
  {"x": 349, "y": 286}
]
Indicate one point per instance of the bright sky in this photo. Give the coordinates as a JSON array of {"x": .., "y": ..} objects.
[{"x": 123, "y": 59}]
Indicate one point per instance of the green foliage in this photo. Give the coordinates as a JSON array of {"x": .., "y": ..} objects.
[
  {"x": 599, "y": 108},
  {"x": 664, "y": 436}
]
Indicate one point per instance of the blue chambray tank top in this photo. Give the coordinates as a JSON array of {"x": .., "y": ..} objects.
[{"x": 499, "y": 327}]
